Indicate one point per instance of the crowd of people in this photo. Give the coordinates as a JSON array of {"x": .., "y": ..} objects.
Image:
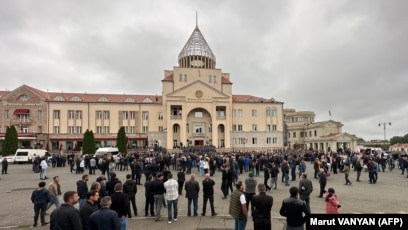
[{"x": 109, "y": 202}]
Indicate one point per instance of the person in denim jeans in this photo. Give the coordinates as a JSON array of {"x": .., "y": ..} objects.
[
  {"x": 55, "y": 191},
  {"x": 172, "y": 194}
]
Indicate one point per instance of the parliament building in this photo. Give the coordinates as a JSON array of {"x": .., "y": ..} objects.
[{"x": 197, "y": 109}]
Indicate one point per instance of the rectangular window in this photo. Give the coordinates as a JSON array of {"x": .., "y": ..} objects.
[
  {"x": 288, "y": 135},
  {"x": 71, "y": 129},
  {"x": 98, "y": 129},
  {"x": 254, "y": 141},
  {"x": 40, "y": 115},
  {"x": 234, "y": 128},
  {"x": 240, "y": 128},
  {"x": 71, "y": 114},
  {"x": 106, "y": 115},
  {"x": 274, "y": 127},
  {"x": 125, "y": 115},
  {"x": 145, "y": 129},
  {"x": 274, "y": 140},
  {"x": 302, "y": 134},
  {"x": 254, "y": 128},
  {"x": 56, "y": 129},
  {"x": 198, "y": 114},
  {"x": 209, "y": 79},
  {"x": 160, "y": 128},
  {"x": 25, "y": 130},
  {"x": 145, "y": 115},
  {"x": 254, "y": 112},
  {"x": 239, "y": 113},
  {"x": 132, "y": 115},
  {"x": 106, "y": 129},
  {"x": 185, "y": 77},
  {"x": 132, "y": 129},
  {"x": 315, "y": 133},
  {"x": 160, "y": 115},
  {"x": 234, "y": 112},
  {"x": 181, "y": 77},
  {"x": 79, "y": 129},
  {"x": 56, "y": 114},
  {"x": 7, "y": 114},
  {"x": 39, "y": 129},
  {"x": 126, "y": 129},
  {"x": 79, "y": 114},
  {"x": 98, "y": 115},
  {"x": 268, "y": 140},
  {"x": 294, "y": 134}
]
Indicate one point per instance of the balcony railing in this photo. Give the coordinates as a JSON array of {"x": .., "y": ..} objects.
[
  {"x": 176, "y": 117},
  {"x": 21, "y": 121},
  {"x": 198, "y": 134},
  {"x": 220, "y": 117}
]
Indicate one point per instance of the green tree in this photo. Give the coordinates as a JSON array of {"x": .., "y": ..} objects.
[
  {"x": 397, "y": 139},
  {"x": 121, "y": 141},
  {"x": 88, "y": 143},
  {"x": 10, "y": 144}
]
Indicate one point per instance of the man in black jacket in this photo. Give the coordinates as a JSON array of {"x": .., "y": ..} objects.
[
  {"x": 110, "y": 185},
  {"x": 82, "y": 190},
  {"x": 208, "y": 194},
  {"x": 149, "y": 205},
  {"x": 66, "y": 216},
  {"x": 89, "y": 207},
  {"x": 293, "y": 208},
  {"x": 130, "y": 189},
  {"x": 158, "y": 190},
  {"x": 192, "y": 189},
  {"x": 262, "y": 205},
  {"x": 120, "y": 204}
]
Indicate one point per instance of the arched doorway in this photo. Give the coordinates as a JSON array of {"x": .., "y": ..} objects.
[{"x": 199, "y": 127}]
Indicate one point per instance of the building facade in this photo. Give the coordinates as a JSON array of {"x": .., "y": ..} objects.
[
  {"x": 197, "y": 108},
  {"x": 302, "y": 131}
]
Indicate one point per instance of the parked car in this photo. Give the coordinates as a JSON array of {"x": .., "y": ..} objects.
[{"x": 9, "y": 158}]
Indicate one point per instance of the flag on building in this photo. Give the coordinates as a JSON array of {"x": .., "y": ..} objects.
[{"x": 329, "y": 112}]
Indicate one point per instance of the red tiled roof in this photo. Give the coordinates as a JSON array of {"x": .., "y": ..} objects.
[
  {"x": 248, "y": 98},
  {"x": 224, "y": 80},
  {"x": 169, "y": 78}
]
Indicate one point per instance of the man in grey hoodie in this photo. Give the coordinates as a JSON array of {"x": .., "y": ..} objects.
[{"x": 40, "y": 197}]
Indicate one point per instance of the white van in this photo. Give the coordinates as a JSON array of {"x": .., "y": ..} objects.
[
  {"x": 102, "y": 151},
  {"x": 27, "y": 155}
]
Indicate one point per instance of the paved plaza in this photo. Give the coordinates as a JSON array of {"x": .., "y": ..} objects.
[{"x": 387, "y": 196}]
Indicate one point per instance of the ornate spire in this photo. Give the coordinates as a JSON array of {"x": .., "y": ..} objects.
[{"x": 196, "y": 53}]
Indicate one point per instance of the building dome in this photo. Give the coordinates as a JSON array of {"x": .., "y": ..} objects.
[{"x": 196, "y": 53}]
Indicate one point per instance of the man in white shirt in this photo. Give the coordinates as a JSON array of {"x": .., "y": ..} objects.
[
  {"x": 44, "y": 166},
  {"x": 172, "y": 194}
]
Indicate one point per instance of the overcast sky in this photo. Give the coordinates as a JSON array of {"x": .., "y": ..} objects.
[{"x": 349, "y": 57}]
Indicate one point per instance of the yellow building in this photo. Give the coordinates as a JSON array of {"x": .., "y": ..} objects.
[
  {"x": 302, "y": 131},
  {"x": 196, "y": 109}
]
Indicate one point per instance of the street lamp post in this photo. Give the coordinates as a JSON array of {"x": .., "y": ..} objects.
[{"x": 384, "y": 124}]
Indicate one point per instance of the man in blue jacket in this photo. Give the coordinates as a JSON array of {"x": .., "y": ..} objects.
[{"x": 40, "y": 198}]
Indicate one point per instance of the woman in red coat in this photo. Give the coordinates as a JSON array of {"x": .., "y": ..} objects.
[{"x": 332, "y": 204}]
